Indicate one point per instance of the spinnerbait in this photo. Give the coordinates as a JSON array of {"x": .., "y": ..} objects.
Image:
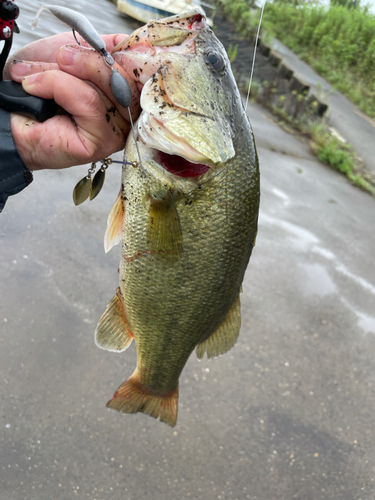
[
  {"x": 90, "y": 188},
  {"x": 120, "y": 89}
]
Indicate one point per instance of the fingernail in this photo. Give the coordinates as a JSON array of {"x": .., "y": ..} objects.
[
  {"x": 20, "y": 68},
  {"x": 68, "y": 55},
  {"x": 29, "y": 80}
]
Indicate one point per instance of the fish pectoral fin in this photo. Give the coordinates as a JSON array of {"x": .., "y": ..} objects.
[
  {"x": 132, "y": 397},
  {"x": 113, "y": 234},
  {"x": 113, "y": 332},
  {"x": 163, "y": 231},
  {"x": 225, "y": 336}
]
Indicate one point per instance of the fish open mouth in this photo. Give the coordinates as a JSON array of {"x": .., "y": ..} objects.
[
  {"x": 174, "y": 153},
  {"x": 178, "y": 165}
]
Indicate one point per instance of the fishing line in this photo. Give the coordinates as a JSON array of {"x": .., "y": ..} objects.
[
  {"x": 255, "y": 53},
  {"x": 142, "y": 170},
  {"x": 110, "y": 161}
]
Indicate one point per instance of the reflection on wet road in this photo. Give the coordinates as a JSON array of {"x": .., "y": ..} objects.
[{"x": 320, "y": 277}]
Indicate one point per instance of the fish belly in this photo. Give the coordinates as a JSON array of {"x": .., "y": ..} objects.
[{"x": 172, "y": 305}]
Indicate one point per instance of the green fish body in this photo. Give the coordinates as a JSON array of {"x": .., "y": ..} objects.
[{"x": 188, "y": 226}]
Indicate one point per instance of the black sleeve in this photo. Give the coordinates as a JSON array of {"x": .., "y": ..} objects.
[{"x": 14, "y": 175}]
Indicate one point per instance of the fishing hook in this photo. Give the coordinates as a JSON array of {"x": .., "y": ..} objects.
[{"x": 80, "y": 24}]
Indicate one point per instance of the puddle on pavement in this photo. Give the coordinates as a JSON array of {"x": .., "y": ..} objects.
[
  {"x": 301, "y": 238},
  {"x": 316, "y": 280},
  {"x": 365, "y": 321}
]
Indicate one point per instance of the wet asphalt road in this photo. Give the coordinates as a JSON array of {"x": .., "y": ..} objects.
[{"x": 286, "y": 414}]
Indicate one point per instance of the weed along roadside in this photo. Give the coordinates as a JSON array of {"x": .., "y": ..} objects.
[
  {"x": 338, "y": 42},
  {"x": 293, "y": 102}
]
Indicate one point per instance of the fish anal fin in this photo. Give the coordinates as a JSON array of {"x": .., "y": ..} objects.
[
  {"x": 113, "y": 234},
  {"x": 163, "y": 227},
  {"x": 225, "y": 336},
  {"x": 132, "y": 397},
  {"x": 113, "y": 332}
]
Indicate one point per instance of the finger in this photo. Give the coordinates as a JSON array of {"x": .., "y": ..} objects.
[
  {"x": 94, "y": 131},
  {"x": 112, "y": 40},
  {"x": 19, "y": 69},
  {"x": 41, "y": 50},
  {"x": 45, "y": 49},
  {"x": 88, "y": 65},
  {"x": 52, "y": 144},
  {"x": 75, "y": 96}
]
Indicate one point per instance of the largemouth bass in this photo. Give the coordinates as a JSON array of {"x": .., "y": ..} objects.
[{"x": 188, "y": 226}]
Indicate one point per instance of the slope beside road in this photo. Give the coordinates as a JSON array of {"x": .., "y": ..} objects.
[{"x": 352, "y": 124}]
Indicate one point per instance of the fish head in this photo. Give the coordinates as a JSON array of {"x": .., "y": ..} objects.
[{"x": 189, "y": 99}]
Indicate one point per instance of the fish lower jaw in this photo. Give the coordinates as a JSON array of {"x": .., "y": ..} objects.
[
  {"x": 156, "y": 136},
  {"x": 172, "y": 154}
]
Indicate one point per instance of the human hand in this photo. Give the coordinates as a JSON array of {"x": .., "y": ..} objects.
[{"x": 77, "y": 78}]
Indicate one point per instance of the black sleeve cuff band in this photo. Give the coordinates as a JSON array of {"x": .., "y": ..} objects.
[{"x": 14, "y": 175}]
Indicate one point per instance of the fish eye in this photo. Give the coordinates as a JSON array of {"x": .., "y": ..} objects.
[{"x": 216, "y": 62}]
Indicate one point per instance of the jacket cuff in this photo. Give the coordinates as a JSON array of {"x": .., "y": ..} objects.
[{"x": 14, "y": 175}]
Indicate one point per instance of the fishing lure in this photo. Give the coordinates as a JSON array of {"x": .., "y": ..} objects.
[
  {"x": 88, "y": 187},
  {"x": 80, "y": 24}
]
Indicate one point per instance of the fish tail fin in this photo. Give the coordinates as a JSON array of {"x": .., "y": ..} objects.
[{"x": 132, "y": 397}]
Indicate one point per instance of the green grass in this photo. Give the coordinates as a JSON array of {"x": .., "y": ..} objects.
[
  {"x": 338, "y": 155},
  {"x": 232, "y": 52},
  {"x": 324, "y": 145},
  {"x": 327, "y": 148},
  {"x": 339, "y": 43}
]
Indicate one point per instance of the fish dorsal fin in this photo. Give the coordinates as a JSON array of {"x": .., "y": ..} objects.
[
  {"x": 113, "y": 332},
  {"x": 113, "y": 234},
  {"x": 225, "y": 336},
  {"x": 163, "y": 227}
]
